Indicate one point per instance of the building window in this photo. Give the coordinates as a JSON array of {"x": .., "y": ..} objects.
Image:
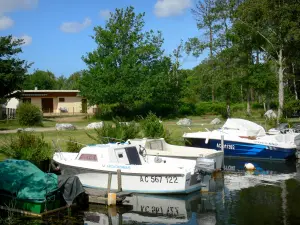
[
  {"x": 27, "y": 100},
  {"x": 61, "y": 99}
]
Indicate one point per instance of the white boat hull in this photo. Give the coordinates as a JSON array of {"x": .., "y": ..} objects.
[{"x": 163, "y": 182}]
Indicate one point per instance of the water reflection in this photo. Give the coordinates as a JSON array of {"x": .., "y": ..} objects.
[
  {"x": 266, "y": 167},
  {"x": 271, "y": 195}
]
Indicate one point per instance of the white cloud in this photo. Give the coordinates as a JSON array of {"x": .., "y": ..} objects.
[
  {"x": 75, "y": 27},
  {"x": 5, "y": 22},
  {"x": 165, "y": 8},
  {"x": 105, "y": 14},
  {"x": 26, "y": 39},
  {"x": 13, "y": 5}
]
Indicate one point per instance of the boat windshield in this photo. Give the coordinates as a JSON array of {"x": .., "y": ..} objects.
[{"x": 156, "y": 145}]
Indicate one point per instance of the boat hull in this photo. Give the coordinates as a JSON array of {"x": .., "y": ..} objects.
[
  {"x": 243, "y": 149},
  {"x": 54, "y": 202},
  {"x": 135, "y": 182}
]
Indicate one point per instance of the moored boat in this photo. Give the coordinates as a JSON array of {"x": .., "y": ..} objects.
[
  {"x": 160, "y": 147},
  {"x": 140, "y": 173},
  {"x": 244, "y": 138},
  {"x": 25, "y": 187}
]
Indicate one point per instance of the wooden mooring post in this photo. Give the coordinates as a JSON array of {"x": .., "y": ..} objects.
[{"x": 109, "y": 196}]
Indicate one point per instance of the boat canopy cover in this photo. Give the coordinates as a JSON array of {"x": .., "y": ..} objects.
[
  {"x": 244, "y": 127},
  {"x": 23, "y": 180}
]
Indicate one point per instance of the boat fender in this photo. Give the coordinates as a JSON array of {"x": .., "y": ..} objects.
[{"x": 249, "y": 166}]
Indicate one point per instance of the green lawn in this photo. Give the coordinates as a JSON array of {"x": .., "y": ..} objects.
[{"x": 176, "y": 132}]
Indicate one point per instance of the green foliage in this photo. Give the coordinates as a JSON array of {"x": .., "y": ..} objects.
[
  {"x": 29, "y": 115},
  {"x": 186, "y": 109},
  {"x": 117, "y": 131},
  {"x": 129, "y": 66},
  {"x": 291, "y": 107},
  {"x": 214, "y": 108},
  {"x": 43, "y": 80},
  {"x": 27, "y": 146},
  {"x": 152, "y": 128},
  {"x": 73, "y": 146},
  {"x": 12, "y": 69}
]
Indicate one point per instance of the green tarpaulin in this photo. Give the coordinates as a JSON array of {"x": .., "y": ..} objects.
[{"x": 25, "y": 181}]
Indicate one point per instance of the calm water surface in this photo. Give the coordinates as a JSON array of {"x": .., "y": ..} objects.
[{"x": 270, "y": 195}]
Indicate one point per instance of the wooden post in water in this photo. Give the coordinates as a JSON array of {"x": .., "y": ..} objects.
[
  {"x": 119, "y": 180},
  {"x": 222, "y": 148},
  {"x": 109, "y": 182}
]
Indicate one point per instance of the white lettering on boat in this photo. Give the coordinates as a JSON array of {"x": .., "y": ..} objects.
[
  {"x": 229, "y": 168},
  {"x": 158, "y": 179},
  {"x": 226, "y": 146}
]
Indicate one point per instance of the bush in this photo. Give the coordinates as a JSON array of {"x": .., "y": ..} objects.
[
  {"x": 186, "y": 109},
  {"x": 214, "y": 108},
  {"x": 292, "y": 108},
  {"x": 257, "y": 105},
  {"x": 116, "y": 131},
  {"x": 29, "y": 115},
  {"x": 73, "y": 146},
  {"x": 152, "y": 128},
  {"x": 238, "y": 107},
  {"x": 27, "y": 146}
]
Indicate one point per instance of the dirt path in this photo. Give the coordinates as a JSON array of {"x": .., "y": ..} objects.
[{"x": 37, "y": 129}]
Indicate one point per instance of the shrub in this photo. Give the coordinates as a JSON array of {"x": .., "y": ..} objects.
[
  {"x": 257, "y": 105},
  {"x": 238, "y": 107},
  {"x": 202, "y": 108},
  {"x": 27, "y": 146},
  {"x": 116, "y": 131},
  {"x": 291, "y": 108},
  {"x": 152, "y": 127},
  {"x": 214, "y": 108},
  {"x": 186, "y": 109},
  {"x": 73, "y": 146},
  {"x": 29, "y": 115}
]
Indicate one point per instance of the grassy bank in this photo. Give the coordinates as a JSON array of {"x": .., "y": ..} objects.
[{"x": 80, "y": 135}]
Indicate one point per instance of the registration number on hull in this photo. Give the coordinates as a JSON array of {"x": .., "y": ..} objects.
[{"x": 158, "y": 179}]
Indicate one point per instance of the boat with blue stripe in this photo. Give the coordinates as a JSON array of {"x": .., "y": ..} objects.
[{"x": 244, "y": 138}]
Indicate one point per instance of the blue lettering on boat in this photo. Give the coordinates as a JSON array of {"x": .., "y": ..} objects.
[{"x": 118, "y": 166}]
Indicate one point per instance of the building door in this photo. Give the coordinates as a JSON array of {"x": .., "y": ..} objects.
[
  {"x": 84, "y": 105},
  {"x": 47, "y": 105}
]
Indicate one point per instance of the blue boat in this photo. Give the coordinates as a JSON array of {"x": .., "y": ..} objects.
[{"x": 244, "y": 138}]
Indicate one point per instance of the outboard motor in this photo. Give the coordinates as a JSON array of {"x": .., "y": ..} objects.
[
  {"x": 297, "y": 141},
  {"x": 283, "y": 127},
  {"x": 205, "y": 165},
  {"x": 296, "y": 128}
]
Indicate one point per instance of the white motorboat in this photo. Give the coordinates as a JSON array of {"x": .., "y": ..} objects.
[
  {"x": 243, "y": 138},
  {"x": 154, "y": 147},
  {"x": 140, "y": 173}
]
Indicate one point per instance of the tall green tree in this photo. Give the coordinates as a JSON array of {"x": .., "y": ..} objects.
[
  {"x": 12, "y": 69},
  {"x": 126, "y": 62},
  {"x": 43, "y": 80},
  {"x": 279, "y": 26},
  {"x": 206, "y": 17}
]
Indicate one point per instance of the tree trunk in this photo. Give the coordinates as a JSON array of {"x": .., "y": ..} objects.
[
  {"x": 281, "y": 87},
  {"x": 252, "y": 94},
  {"x": 242, "y": 99},
  {"x": 295, "y": 87},
  {"x": 248, "y": 103},
  {"x": 210, "y": 55}
]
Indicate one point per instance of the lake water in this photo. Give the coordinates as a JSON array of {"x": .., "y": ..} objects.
[{"x": 270, "y": 195}]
